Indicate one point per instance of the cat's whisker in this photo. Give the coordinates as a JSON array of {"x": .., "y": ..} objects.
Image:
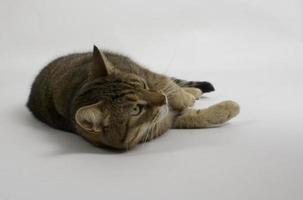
[
  {"x": 158, "y": 127},
  {"x": 150, "y": 131},
  {"x": 155, "y": 120},
  {"x": 144, "y": 132},
  {"x": 168, "y": 93},
  {"x": 168, "y": 89},
  {"x": 147, "y": 134},
  {"x": 165, "y": 88},
  {"x": 152, "y": 127}
]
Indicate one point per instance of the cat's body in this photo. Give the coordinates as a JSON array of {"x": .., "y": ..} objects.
[{"x": 112, "y": 101}]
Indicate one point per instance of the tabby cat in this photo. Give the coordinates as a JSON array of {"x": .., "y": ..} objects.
[{"x": 111, "y": 101}]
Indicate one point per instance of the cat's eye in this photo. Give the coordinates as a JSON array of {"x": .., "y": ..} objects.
[{"x": 136, "y": 110}]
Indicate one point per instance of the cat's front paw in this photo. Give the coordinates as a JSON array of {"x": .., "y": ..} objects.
[
  {"x": 197, "y": 93},
  {"x": 189, "y": 100},
  {"x": 183, "y": 101},
  {"x": 222, "y": 112}
]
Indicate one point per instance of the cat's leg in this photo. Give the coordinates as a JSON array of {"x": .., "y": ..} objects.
[
  {"x": 203, "y": 118},
  {"x": 204, "y": 86}
]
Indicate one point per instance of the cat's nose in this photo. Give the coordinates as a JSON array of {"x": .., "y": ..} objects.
[
  {"x": 155, "y": 98},
  {"x": 162, "y": 100}
]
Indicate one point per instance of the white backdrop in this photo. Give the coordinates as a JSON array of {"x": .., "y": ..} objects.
[{"x": 251, "y": 50}]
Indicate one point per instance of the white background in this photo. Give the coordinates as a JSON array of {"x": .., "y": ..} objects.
[{"x": 252, "y": 51}]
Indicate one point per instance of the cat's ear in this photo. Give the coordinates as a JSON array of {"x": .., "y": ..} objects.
[
  {"x": 100, "y": 67},
  {"x": 91, "y": 118}
]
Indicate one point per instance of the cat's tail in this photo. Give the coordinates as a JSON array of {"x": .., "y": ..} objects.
[{"x": 204, "y": 86}]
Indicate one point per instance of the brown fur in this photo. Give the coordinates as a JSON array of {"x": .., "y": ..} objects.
[{"x": 112, "y": 101}]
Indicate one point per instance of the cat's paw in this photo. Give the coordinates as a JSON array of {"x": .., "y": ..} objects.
[
  {"x": 222, "y": 112},
  {"x": 190, "y": 100},
  {"x": 183, "y": 101},
  {"x": 197, "y": 93}
]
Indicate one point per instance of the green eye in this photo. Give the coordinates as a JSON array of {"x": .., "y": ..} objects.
[{"x": 136, "y": 110}]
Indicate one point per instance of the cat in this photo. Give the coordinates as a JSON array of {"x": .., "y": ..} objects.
[{"x": 113, "y": 102}]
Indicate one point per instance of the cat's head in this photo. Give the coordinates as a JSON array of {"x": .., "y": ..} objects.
[{"x": 116, "y": 109}]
